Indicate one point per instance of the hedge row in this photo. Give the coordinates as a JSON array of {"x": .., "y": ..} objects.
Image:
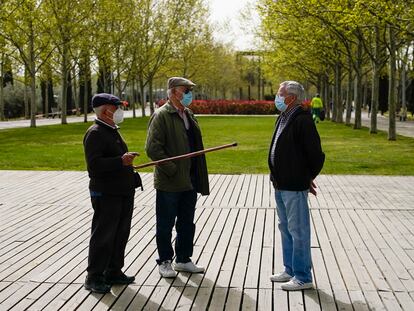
[{"x": 231, "y": 107}]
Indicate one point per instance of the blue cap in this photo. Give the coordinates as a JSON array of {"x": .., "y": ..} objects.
[{"x": 105, "y": 99}]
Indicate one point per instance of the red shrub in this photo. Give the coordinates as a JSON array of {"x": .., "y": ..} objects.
[{"x": 222, "y": 106}]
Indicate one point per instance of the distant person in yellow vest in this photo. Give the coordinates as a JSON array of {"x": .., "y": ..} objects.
[{"x": 317, "y": 107}]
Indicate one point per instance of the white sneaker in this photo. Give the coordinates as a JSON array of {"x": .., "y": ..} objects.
[
  {"x": 295, "y": 284},
  {"x": 188, "y": 267},
  {"x": 281, "y": 277},
  {"x": 166, "y": 270}
]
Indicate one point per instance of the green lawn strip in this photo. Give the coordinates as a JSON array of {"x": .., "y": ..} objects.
[{"x": 348, "y": 151}]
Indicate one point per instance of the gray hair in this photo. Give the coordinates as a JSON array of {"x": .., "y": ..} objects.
[
  {"x": 169, "y": 92},
  {"x": 294, "y": 88},
  {"x": 98, "y": 110}
]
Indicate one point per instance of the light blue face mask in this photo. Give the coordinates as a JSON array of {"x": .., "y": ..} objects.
[
  {"x": 280, "y": 103},
  {"x": 187, "y": 99}
]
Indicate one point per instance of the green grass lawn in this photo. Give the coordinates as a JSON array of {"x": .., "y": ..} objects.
[{"x": 347, "y": 151}]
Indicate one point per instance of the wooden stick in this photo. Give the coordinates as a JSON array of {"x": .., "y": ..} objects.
[{"x": 185, "y": 156}]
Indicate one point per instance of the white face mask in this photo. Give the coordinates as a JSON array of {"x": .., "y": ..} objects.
[{"x": 118, "y": 116}]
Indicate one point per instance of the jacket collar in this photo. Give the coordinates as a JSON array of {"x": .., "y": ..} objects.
[
  {"x": 103, "y": 123},
  {"x": 171, "y": 109}
]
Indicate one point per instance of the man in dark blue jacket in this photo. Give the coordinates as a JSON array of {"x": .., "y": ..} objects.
[
  {"x": 295, "y": 159},
  {"x": 112, "y": 187}
]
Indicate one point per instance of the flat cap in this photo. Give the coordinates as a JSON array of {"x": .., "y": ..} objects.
[
  {"x": 105, "y": 99},
  {"x": 179, "y": 81}
]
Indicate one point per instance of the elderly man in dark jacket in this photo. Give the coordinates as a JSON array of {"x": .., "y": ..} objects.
[
  {"x": 112, "y": 187},
  {"x": 295, "y": 159},
  {"x": 173, "y": 130}
]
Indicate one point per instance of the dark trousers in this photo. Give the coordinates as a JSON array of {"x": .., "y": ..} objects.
[
  {"x": 178, "y": 208},
  {"x": 111, "y": 225}
]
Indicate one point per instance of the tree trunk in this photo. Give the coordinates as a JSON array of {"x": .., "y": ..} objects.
[
  {"x": 25, "y": 95},
  {"x": 142, "y": 95},
  {"x": 392, "y": 135},
  {"x": 374, "y": 98},
  {"x": 325, "y": 96},
  {"x": 46, "y": 112},
  {"x": 133, "y": 99},
  {"x": 75, "y": 91},
  {"x": 349, "y": 97},
  {"x": 32, "y": 70},
  {"x": 358, "y": 86},
  {"x": 65, "y": 74},
  {"x": 2, "y": 118},
  {"x": 338, "y": 93},
  {"x": 86, "y": 79},
  {"x": 150, "y": 97},
  {"x": 403, "y": 114}
]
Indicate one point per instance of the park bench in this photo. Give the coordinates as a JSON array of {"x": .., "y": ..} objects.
[{"x": 55, "y": 112}]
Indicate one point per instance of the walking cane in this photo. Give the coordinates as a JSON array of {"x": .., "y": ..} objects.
[{"x": 185, "y": 156}]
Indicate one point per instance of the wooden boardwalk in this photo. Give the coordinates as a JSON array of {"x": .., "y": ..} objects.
[{"x": 362, "y": 247}]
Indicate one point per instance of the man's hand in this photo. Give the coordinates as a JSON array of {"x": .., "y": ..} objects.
[
  {"x": 312, "y": 188},
  {"x": 128, "y": 158}
]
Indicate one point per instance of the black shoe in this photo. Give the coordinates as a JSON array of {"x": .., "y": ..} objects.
[
  {"x": 97, "y": 285},
  {"x": 119, "y": 279}
]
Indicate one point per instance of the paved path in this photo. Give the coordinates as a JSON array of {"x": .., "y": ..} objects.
[
  {"x": 56, "y": 120},
  {"x": 405, "y": 128},
  {"x": 362, "y": 247}
]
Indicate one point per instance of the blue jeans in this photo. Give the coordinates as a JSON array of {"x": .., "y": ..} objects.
[
  {"x": 294, "y": 225},
  {"x": 178, "y": 208}
]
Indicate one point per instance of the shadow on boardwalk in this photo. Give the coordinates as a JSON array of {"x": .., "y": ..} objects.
[{"x": 362, "y": 247}]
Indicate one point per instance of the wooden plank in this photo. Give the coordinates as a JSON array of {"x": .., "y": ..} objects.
[
  {"x": 214, "y": 190},
  {"x": 241, "y": 202},
  {"x": 358, "y": 301},
  {"x": 356, "y": 249},
  {"x": 229, "y": 261},
  {"x": 237, "y": 190},
  {"x": 280, "y": 299},
  {"x": 139, "y": 301},
  {"x": 17, "y": 295},
  {"x": 375, "y": 243},
  {"x": 48, "y": 296},
  {"x": 331, "y": 264},
  {"x": 265, "y": 299},
  {"x": 374, "y": 300},
  {"x": 59, "y": 301},
  {"x": 234, "y": 299},
  {"x": 296, "y": 302},
  {"x": 222, "y": 191},
  {"x": 405, "y": 300},
  {"x": 255, "y": 253},
  {"x": 249, "y": 299},
  {"x": 251, "y": 193},
  {"x": 258, "y": 196},
  {"x": 360, "y": 239},
  {"x": 266, "y": 265},
  {"x": 267, "y": 193},
  {"x": 390, "y": 301},
  {"x": 321, "y": 280},
  {"x": 213, "y": 267},
  {"x": 232, "y": 183},
  {"x": 343, "y": 250},
  {"x": 215, "y": 183},
  {"x": 218, "y": 300},
  {"x": 186, "y": 301},
  {"x": 362, "y": 247},
  {"x": 311, "y": 300},
  {"x": 172, "y": 297},
  {"x": 237, "y": 279}
]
